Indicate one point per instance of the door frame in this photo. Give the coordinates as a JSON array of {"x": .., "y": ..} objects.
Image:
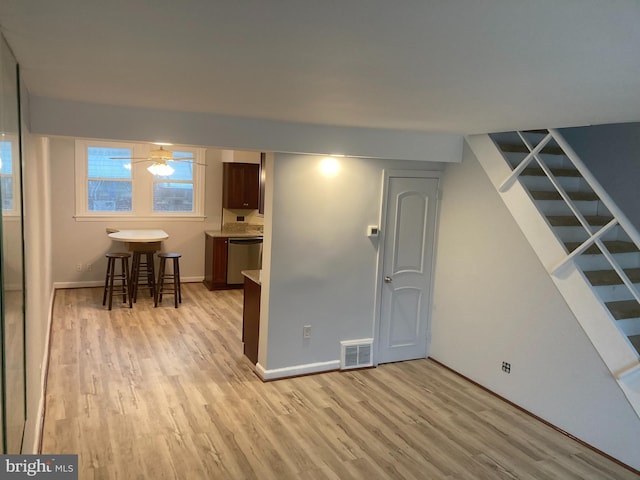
[{"x": 382, "y": 238}]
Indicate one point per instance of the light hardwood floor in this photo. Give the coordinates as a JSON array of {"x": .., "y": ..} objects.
[{"x": 166, "y": 393}]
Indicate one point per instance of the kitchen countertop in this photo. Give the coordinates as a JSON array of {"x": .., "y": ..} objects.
[
  {"x": 253, "y": 275},
  {"x": 226, "y": 233}
]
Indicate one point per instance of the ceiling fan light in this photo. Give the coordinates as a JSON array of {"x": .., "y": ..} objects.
[{"x": 160, "y": 169}]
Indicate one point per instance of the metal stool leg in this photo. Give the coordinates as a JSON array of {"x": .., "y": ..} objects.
[
  {"x": 126, "y": 286},
  {"x": 160, "y": 284},
  {"x": 175, "y": 285},
  {"x": 106, "y": 280},
  {"x": 111, "y": 278},
  {"x": 133, "y": 279},
  {"x": 151, "y": 275},
  {"x": 177, "y": 292}
]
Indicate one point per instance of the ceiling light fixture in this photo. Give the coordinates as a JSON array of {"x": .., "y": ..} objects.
[
  {"x": 160, "y": 168},
  {"x": 329, "y": 166}
]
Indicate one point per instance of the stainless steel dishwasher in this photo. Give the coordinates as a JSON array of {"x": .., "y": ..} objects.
[{"x": 244, "y": 253}]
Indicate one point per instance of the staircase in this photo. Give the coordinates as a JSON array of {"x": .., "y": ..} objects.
[{"x": 590, "y": 249}]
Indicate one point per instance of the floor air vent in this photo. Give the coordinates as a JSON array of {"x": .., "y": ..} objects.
[{"x": 356, "y": 354}]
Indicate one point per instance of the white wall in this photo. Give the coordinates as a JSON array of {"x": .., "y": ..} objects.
[
  {"x": 322, "y": 264},
  {"x": 494, "y": 302},
  {"x": 612, "y": 154},
  {"x": 86, "y": 242},
  {"x": 75, "y": 119}
]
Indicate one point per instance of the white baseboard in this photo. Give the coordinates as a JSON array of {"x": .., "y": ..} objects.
[
  {"x": 198, "y": 279},
  {"x": 84, "y": 284},
  {"x": 100, "y": 283},
  {"x": 296, "y": 370}
]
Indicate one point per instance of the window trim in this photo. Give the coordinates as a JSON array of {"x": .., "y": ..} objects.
[
  {"x": 141, "y": 184},
  {"x": 16, "y": 211}
]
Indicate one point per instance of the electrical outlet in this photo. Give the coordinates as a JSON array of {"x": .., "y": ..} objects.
[
  {"x": 78, "y": 267},
  {"x": 506, "y": 367},
  {"x": 88, "y": 267},
  {"x": 306, "y": 331}
]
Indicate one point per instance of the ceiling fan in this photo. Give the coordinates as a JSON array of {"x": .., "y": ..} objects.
[{"x": 160, "y": 157}]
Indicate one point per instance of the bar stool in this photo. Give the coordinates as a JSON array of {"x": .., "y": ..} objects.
[
  {"x": 142, "y": 273},
  {"x": 111, "y": 277},
  {"x": 168, "y": 280}
]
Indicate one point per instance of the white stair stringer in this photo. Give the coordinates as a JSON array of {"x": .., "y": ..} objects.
[{"x": 595, "y": 319}]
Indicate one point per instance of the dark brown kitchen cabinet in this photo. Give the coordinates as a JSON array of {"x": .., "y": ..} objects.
[
  {"x": 251, "y": 319},
  {"x": 215, "y": 257},
  {"x": 240, "y": 185}
]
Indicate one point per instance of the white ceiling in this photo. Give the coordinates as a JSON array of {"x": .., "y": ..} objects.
[{"x": 462, "y": 66}]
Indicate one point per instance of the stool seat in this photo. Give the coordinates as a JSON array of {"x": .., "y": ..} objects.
[
  {"x": 168, "y": 280},
  {"x": 111, "y": 277},
  {"x": 169, "y": 255}
]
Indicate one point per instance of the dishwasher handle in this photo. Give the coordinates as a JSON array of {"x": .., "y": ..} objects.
[{"x": 245, "y": 241}]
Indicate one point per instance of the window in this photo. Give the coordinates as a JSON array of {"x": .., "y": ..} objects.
[
  {"x": 112, "y": 181},
  {"x": 8, "y": 183},
  {"x": 175, "y": 193},
  {"x": 109, "y": 185}
]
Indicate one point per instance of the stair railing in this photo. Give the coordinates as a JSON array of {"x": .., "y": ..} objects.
[
  {"x": 619, "y": 218},
  {"x": 595, "y": 235},
  {"x": 602, "y": 194},
  {"x": 533, "y": 155}
]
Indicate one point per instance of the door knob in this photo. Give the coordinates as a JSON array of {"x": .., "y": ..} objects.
[{"x": 388, "y": 279}]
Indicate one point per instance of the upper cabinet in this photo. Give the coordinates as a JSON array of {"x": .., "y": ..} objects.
[{"x": 241, "y": 186}]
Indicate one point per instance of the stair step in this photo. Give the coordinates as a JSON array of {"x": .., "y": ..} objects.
[
  {"x": 624, "y": 309},
  {"x": 614, "y": 246},
  {"x": 540, "y": 131},
  {"x": 555, "y": 195},
  {"x": 610, "y": 277},
  {"x": 598, "y": 262},
  {"x": 557, "y": 172},
  {"x": 571, "y": 221},
  {"x": 510, "y": 148},
  {"x": 635, "y": 341}
]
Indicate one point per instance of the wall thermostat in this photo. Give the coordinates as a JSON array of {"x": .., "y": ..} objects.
[{"x": 373, "y": 231}]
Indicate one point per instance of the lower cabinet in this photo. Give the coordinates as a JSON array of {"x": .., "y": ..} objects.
[
  {"x": 215, "y": 258},
  {"x": 251, "y": 319}
]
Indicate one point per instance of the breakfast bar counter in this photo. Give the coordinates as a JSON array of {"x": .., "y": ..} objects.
[{"x": 140, "y": 239}]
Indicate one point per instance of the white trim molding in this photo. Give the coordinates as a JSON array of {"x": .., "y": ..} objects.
[
  {"x": 296, "y": 370},
  {"x": 100, "y": 283}
]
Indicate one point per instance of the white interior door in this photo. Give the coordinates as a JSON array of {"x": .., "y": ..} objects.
[{"x": 410, "y": 222}]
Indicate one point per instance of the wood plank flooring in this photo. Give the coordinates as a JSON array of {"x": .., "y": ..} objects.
[{"x": 166, "y": 393}]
